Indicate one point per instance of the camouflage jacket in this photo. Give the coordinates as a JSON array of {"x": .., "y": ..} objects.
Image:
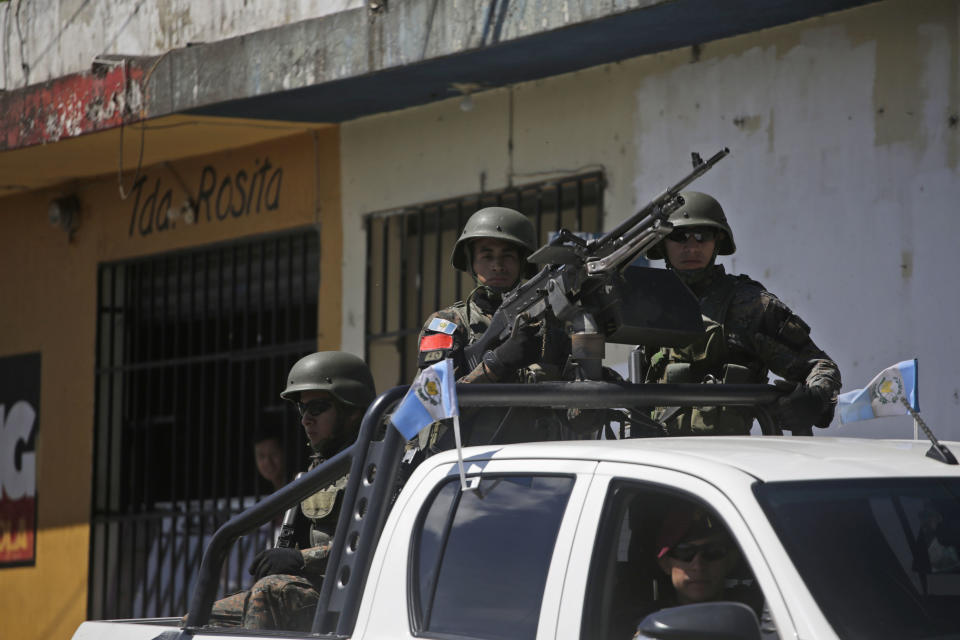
[
  {"x": 750, "y": 328},
  {"x": 448, "y": 332},
  {"x": 287, "y": 601}
]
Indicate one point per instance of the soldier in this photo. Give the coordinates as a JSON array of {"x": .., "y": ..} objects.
[
  {"x": 750, "y": 333},
  {"x": 697, "y": 556},
  {"x": 493, "y": 248},
  {"x": 332, "y": 390}
]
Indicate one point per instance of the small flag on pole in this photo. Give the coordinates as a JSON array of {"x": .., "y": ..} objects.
[
  {"x": 432, "y": 397},
  {"x": 883, "y": 396}
]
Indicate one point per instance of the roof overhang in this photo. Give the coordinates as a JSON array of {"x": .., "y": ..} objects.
[{"x": 340, "y": 67}]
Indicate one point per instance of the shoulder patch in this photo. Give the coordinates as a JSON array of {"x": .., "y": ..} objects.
[
  {"x": 442, "y": 326},
  {"x": 436, "y": 341}
]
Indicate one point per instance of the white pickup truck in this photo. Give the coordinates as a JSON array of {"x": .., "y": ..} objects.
[{"x": 837, "y": 537}]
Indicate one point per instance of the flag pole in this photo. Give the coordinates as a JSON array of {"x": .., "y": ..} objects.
[
  {"x": 456, "y": 437},
  {"x": 916, "y": 428},
  {"x": 937, "y": 451}
]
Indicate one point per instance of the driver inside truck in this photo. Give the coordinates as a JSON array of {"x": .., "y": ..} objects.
[
  {"x": 331, "y": 390},
  {"x": 697, "y": 561}
]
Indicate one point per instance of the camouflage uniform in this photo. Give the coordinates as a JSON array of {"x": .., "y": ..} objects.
[
  {"x": 286, "y": 601},
  {"x": 466, "y": 321},
  {"x": 750, "y": 333},
  {"x": 469, "y": 320},
  {"x": 281, "y": 601},
  {"x": 286, "y": 593}
]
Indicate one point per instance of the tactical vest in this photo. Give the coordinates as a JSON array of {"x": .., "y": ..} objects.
[
  {"x": 481, "y": 425},
  {"x": 708, "y": 360},
  {"x": 323, "y": 510},
  {"x": 478, "y": 320}
]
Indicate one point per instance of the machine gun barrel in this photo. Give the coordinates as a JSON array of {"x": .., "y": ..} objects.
[
  {"x": 700, "y": 167},
  {"x": 559, "y": 285},
  {"x": 621, "y": 245}
]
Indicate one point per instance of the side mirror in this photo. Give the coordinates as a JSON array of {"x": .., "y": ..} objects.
[{"x": 704, "y": 621}]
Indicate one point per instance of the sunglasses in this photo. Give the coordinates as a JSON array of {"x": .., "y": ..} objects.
[
  {"x": 314, "y": 407},
  {"x": 698, "y": 234},
  {"x": 709, "y": 552}
]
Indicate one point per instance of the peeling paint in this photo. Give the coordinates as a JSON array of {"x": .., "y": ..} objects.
[{"x": 70, "y": 106}]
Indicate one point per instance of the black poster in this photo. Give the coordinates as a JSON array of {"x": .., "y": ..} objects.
[{"x": 19, "y": 422}]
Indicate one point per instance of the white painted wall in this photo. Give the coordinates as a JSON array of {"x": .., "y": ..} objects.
[
  {"x": 842, "y": 185},
  {"x": 58, "y": 37}
]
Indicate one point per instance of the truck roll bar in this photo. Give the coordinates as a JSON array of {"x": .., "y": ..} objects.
[{"x": 377, "y": 453}]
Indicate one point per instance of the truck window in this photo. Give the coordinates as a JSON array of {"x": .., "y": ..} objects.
[
  {"x": 880, "y": 556},
  {"x": 480, "y": 558},
  {"x": 659, "y": 548}
]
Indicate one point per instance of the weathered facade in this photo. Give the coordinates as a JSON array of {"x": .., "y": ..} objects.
[{"x": 373, "y": 128}]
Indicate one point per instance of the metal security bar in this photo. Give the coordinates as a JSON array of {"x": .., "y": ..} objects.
[
  {"x": 192, "y": 352},
  {"x": 409, "y": 275}
]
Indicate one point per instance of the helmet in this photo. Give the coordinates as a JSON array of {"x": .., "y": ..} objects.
[
  {"x": 495, "y": 222},
  {"x": 699, "y": 210},
  {"x": 343, "y": 375}
]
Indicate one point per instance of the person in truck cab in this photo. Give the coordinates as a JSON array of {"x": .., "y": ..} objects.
[
  {"x": 750, "y": 333},
  {"x": 698, "y": 561},
  {"x": 332, "y": 390},
  {"x": 697, "y": 556}
]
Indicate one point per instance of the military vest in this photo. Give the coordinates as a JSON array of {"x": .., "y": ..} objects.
[{"x": 710, "y": 359}]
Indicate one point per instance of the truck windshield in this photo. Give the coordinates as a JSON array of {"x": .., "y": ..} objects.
[{"x": 880, "y": 557}]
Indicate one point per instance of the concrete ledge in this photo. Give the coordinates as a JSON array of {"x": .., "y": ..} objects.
[{"x": 380, "y": 58}]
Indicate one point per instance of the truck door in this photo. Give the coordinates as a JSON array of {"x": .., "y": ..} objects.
[
  {"x": 487, "y": 563},
  {"x": 635, "y": 527}
]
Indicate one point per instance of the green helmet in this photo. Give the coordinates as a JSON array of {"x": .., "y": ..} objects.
[
  {"x": 343, "y": 375},
  {"x": 495, "y": 222},
  {"x": 699, "y": 210}
]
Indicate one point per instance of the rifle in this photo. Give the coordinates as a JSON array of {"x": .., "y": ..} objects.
[
  {"x": 287, "y": 539},
  {"x": 584, "y": 285}
]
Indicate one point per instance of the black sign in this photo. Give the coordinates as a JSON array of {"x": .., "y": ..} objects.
[{"x": 19, "y": 421}]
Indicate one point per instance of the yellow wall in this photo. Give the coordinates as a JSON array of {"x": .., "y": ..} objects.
[{"x": 48, "y": 293}]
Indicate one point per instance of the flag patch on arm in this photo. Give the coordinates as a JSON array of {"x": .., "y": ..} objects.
[
  {"x": 442, "y": 326},
  {"x": 435, "y": 341}
]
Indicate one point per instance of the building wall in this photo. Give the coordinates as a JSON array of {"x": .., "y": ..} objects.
[
  {"x": 841, "y": 186},
  {"x": 49, "y": 291},
  {"x": 59, "y": 37}
]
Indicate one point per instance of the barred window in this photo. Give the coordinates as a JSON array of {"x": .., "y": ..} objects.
[
  {"x": 409, "y": 275},
  {"x": 193, "y": 348}
]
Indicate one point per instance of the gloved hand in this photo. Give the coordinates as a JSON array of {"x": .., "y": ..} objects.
[
  {"x": 273, "y": 561},
  {"x": 801, "y": 408},
  {"x": 522, "y": 348}
]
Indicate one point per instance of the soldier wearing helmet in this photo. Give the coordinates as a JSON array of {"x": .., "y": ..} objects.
[
  {"x": 331, "y": 390},
  {"x": 750, "y": 333},
  {"x": 493, "y": 248}
]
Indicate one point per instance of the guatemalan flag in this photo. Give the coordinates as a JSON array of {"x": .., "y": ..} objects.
[
  {"x": 882, "y": 397},
  {"x": 432, "y": 397}
]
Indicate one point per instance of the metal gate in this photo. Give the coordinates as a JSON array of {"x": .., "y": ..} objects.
[
  {"x": 192, "y": 352},
  {"x": 408, "y": 267}
]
